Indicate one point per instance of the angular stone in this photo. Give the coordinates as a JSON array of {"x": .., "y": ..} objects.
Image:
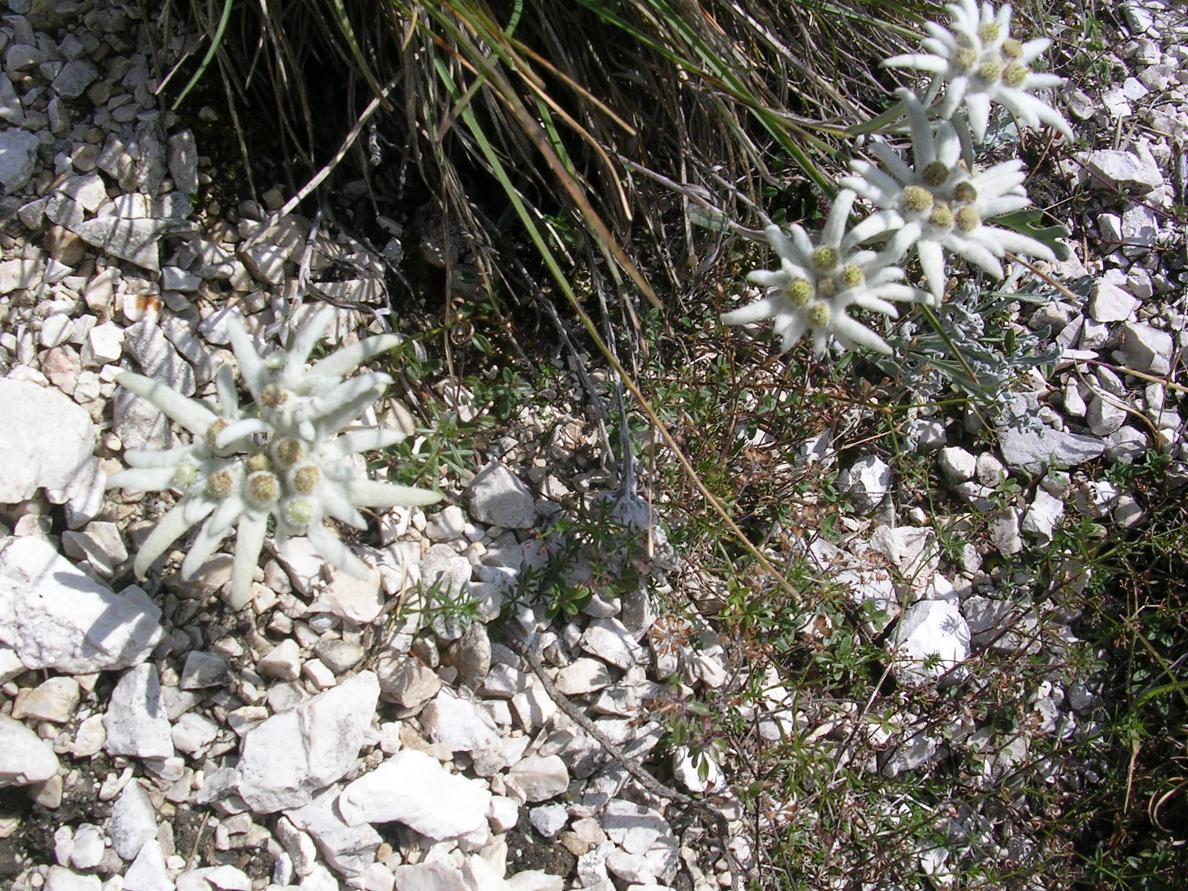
[
  {"x": 24, "y": 757},
  {"x": 54, "y": 700},
  {"x": 290, "y": 756},
  {"x": 956, "y": 464},
  {"x": 539, "y": 778},
  {"x": 133, "y": 821},
  {"x": 465, "y": 727},
  {"x": 414, "y": 789},
  {"x": 53, "y": 615},
  {"x": 582, "y": 676},
  {"x": 435, "y": 875},
  {"x": 932, "y": 639},
  {"x": 867, "y": 481},
  {"x": 158, "y": 358},
  {"x": 203, "y": 670},
  {"x": 54, "y": 448},
  {"x": 1147, "y": 349},
  {"x": 348, "y": 848},
  {"x": 74, "y": 78},
  {"x": 1109, "y": 303},
  {"x": 135, "y": 721},
  {"x": 499, "y": 498},
  {"x": 1027, "y": 443},
  {"x": 1124, "y": 170},
  {"x": 18, "y": 158},
  {"x": 134, "y": 240},
  {"x": 405, "y": 681},
  {"x": 183, "y": 162}
]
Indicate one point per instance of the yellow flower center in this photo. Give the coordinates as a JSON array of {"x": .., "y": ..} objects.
[
  {"x": 989, "y": 32},
  {"x": 258, "y": 461},
  {"x": 287, "y": 451},
  {"x": 213, "y": 431},
  {"x": 799, "y": 292},
  {"x": 852, "y": 276},
  {"x": 941, "y": 217},
  {"x": 965, "y": 59},
  {"x": 263, "y": 488},
  {"x": 185, "y": 475},
  {"x": 824, "y": 259},
  {"x": 935, "y": 174},
  {"x": 967, "y": 219},
  {"x": 274, "y": 395},
  {"x": 990, "y": 71},
  {"x": 1012, "y": 48},
  {"x": 1014, "y": 75},
  {"x": 299, "y": 512},
  {"x": 917, "y": 199},
  {"x": 965, "y": 192},
  {"x": 305, "y": 480},
  {"x": 218, "y": 484},
  {"x": 818, "y": 314}
]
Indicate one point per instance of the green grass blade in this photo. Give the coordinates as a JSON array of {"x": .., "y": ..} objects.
[{"x": 211, "y": 52}]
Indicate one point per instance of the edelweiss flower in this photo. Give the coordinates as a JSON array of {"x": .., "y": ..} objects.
[
  {"x": 942, "y": 203},
  {"x": 982, "y": 63},
  {"x": 298, "y": 468},
  {"x": 816, "y": 284}
]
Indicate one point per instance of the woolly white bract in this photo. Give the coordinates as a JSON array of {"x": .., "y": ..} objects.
[
  {"x": 980, "y": 63},
  {"x": 287, "y": 460},
  {"x": 818, "y": 282},
  {"x": 944, "y": 205}
]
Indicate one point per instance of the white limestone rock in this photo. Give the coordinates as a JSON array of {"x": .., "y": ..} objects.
[
  {"x": 434, "y": 875},
  {"x": 1147, "y": 349},
  {"x": 53, "y": 615},
  {"x": 931, "y": 640},
  {"x": 1124, "y": 170},
  {"x": 499, "y": 498},
  {"x": 1109, "y": 303},
  {"x": 867, "y": 481},
  {"x": 46, "y": 441},
  {"x": 348, "y": 848},
  {"x": 135, "y": 721},
  {"x": 25, "y": 758},
  {"x": 464, "y": 726},
  {"x": 539, "y": 778},
  {"x": 582, "y": 676},
  {"x": 1043, "y": 514},
  {"x": 134, "y": 240},
  {"x": 148, "y": 871},
  {"x": 290, "y": 756},
  {"x": 609, "y": 640},
  {"x": 642, "y": 832},
  {"x": 413, "y": 789},
  {"x": 1027, "y": 443},
  {"x": 956, "y": 464},
  {"x": 133, "y": 821}
]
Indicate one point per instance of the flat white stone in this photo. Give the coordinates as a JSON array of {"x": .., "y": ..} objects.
[
  {"x": 290, "y": 756},
  {"x": 134, "y": 240},
  {"x": 136, "y": 722},
  {"x": 499, "y": 498},
  {"x": 348, "y": 848},
  {"x": 465, "y": 727},
  {"x": 539, "y": 778},
  {"x": 54, "y": 700},
  {"x": 25, "y": 758},
  {"x": 582, "y": 676},
  {"x": 643, "y": 832},
  {"x": 1147, "y": 349},
  {"x": 282, "y": 661},
  {"x": 62, "y": 879},
  {"x": 930, "y": 640},
  {"x": 549, "y": 819},
  {"x": 1124, "y": 170},
  {"x": 148, "y": 871},
  {"x": 432, "y": 876},
  {"x": 414, "y": 789},
  {"x": 46, "y": 440},
  {"x": 867, "y": 481},
  {"x": 1041, "y": 517},
  {"x": 133, "y": 821},
  {"x": 1033, "y": 446},
  {"x": 1109, "y": 303},
  {"x": 956, "y": 464},
  {"x": 53, "y": 615},
  {"x": 610, "y": 641}
]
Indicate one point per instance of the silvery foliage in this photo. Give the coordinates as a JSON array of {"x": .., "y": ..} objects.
[
  {"x": 285, "y": 458},
  {"x": 941, "y": 202}
]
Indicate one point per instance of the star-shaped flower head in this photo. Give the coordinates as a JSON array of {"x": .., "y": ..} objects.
[
  {"x": 942, "y": 203},
  {"x": 979, "y": 62},
  {"x": 286, "y": 460},
  {"x": 817, "y": 282}
]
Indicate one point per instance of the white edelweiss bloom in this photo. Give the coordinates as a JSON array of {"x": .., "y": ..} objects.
[
  {"x": 979, "y": 63},
  {"x": 817, "y": 283},
  {"x": 942, "y": 204},
  {"x": 299, "y": 468}
]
